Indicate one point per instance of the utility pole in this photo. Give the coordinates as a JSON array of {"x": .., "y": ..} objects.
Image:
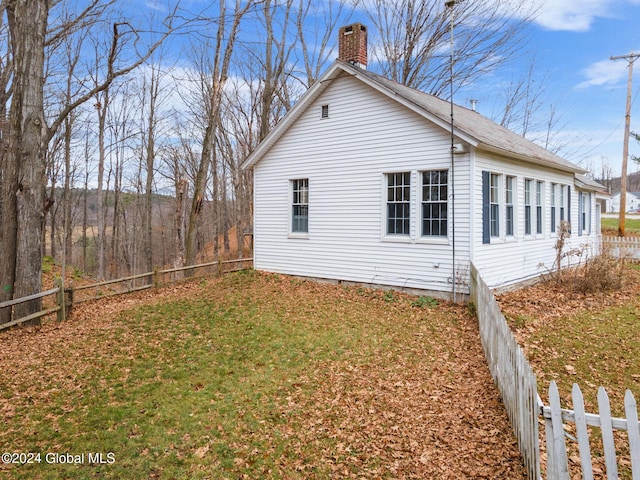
[{"x": 630, "y": 58}]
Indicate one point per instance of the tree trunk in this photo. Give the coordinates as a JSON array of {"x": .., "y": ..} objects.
[
  {"x": 219, "y": 75},
  {"x": 148, "y": 224},
  {"x": 66, "y": 204},
  {"x": 8, "y": 233},
  {"x": 85, "y": 240},
  {"x": 26, "y": 154},
  {"x": 101, "y": 107},
  {"x": 181, "y": 197}
]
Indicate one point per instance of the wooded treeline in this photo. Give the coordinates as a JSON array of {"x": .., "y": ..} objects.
[{"x": 123, "y": 127}]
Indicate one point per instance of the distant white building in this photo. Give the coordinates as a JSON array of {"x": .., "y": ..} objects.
[{"x": 633, "y": 202}]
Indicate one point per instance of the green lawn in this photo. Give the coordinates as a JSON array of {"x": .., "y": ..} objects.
[
  {"x": 254, "y": 376},
  {"x": 631, "y": 225},
  {"x": 592, "y": 340}
]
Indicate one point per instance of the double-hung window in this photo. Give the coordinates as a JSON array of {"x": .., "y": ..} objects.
[
  {"x": 584, "y": 222},
  {"x": 554, "y": 193},
  {"x": 528, "y": 220},
  {"x": 398, "y": 203},
  {"x": 300, "y": 205},
  {"x": 508, "y": 205},
  {"x": 539, "y": 197},
  {"x": 494, "y": 204},
  {"x": 434, "y": 203}
]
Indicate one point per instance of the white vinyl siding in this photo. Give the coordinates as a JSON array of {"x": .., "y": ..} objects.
[
  {"x": 346, "y": 158},
  {"x": 508, "y": 260}
]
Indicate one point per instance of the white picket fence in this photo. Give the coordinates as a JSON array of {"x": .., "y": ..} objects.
[
  {"x": 511, "y": 372},
  {"x": 556, "y": 417},
  {"x": 518, "y": 387},
  {"x": 627, "y": 248}
]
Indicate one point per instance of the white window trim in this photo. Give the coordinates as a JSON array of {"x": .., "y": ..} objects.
[
  {"x": 291, "y": 234},
  {"x": 397, "y": 238},
  {"x": 415, "y": 219},
  {"x": 503, "y": 237},
  {"x": 513, "y": 237},
  {"x": 563, "y": 203},
  {"x": 540, "y": 197},
  {"x": 554, "y": 208},
  {"x": 500, "y": 197},
  {"x": 432, "y": 239},
  {"x": 585, "y": 210},
  {"x": 533, "y": 204}
]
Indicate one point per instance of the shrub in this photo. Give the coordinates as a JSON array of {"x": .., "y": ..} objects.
[{"x": 602, "y": 273}]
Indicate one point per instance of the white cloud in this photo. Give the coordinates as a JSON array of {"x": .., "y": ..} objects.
[
  {"x": 604, "y": 72},
  {"x": 569, "y": 15}
]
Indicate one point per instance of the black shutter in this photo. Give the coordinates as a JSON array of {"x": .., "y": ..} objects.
[{"x": 486, "y": 232}]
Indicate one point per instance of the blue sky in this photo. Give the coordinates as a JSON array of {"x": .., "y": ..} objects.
[{"x": 572, "y": 42}]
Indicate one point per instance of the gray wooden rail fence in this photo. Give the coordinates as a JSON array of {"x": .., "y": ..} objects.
[{"x": 66, "y": 297}]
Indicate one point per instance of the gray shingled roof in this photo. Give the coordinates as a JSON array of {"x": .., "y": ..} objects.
[
  {"x": 588, "y": 183},
  {"x": 483, "y": 133},
  {"x": 486, "y": 132}
]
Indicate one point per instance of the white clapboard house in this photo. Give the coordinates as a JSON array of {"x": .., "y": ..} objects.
[{"x": 357, "y": 183}]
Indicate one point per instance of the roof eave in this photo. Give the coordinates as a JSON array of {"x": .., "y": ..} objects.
[{"x": 534, "y": 160}]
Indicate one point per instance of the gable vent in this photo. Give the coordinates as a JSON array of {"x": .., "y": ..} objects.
[{"x": 324, "y": 111}]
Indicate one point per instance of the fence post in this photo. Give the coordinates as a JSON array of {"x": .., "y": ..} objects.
[
  {"x": 156, "y": 277},
  {"x": 60, "y": 302},
  {"x": 69, "y": 291}
]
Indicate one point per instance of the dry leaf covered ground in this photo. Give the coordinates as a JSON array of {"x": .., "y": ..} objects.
[
  {"x": 257, "y": 376},
  {"x": 589, "y": 339}
]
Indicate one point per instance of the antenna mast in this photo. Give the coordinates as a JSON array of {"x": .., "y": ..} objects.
[{"x": 450, "y": 4}]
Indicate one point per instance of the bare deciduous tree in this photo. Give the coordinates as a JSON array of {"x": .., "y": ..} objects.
[
  {"x": 28, "y": 133},
  {"x": 413, "y": 38},
  {"x": 214, "y": 80},
  {"x": 316, "y": 39}
]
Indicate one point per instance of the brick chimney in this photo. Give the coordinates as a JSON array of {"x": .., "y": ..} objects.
[{"x": 352, "y": 44}]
